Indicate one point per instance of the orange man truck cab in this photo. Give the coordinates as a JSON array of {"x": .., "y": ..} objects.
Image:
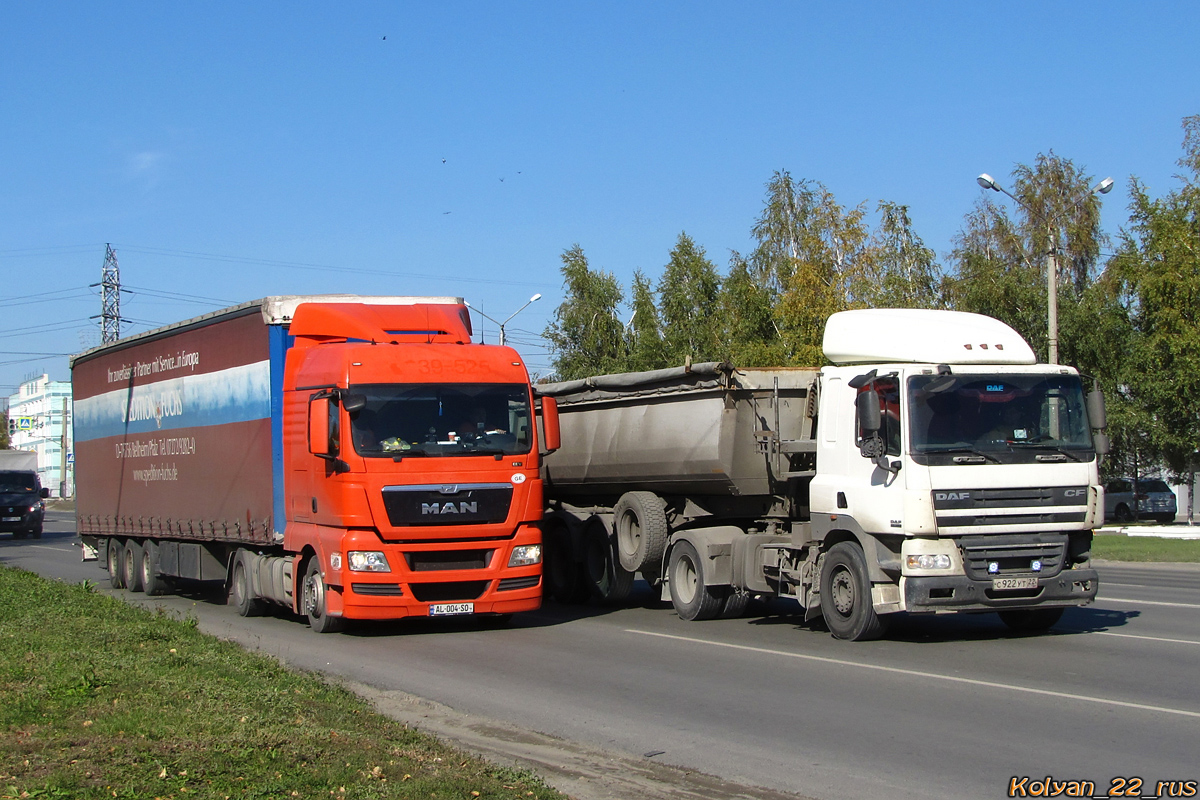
[{"x": 345, "y": 457}]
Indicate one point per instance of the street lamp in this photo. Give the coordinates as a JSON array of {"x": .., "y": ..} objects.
[
  {"x": 1103, "y": 187},
  {"x": 535, "y": 298}
]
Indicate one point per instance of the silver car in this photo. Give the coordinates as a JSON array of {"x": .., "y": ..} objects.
[{"x": 1149, "y": 498}]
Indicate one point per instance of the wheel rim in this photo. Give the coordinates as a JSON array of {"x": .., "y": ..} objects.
[
  {"x": 147, "y": 577},
  {"x": 314, "y": 595},
  {"x": 686, "y": 578},
  {"x": 629, "y": 533},
  {"x": 841, "y": 587},
  {"x": 239, "y": 585}
]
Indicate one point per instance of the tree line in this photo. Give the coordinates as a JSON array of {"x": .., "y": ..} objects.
[{"x": 1127, "y": 307}]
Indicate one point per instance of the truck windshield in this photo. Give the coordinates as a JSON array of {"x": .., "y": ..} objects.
[
  {"x": 17, "y": 482},
  {"x": 441, "y": 420},
  {"x": 998, "y": 419}
]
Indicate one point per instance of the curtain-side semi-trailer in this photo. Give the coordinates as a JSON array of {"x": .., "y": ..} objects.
[
  {"x": 345, "y": 457},
  {"x": 934, "y": 467}
]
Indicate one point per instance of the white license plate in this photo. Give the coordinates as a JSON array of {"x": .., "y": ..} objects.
[
  {"x": 446, "y": 609},
  {"x": 10, "y": 519},
  {"x": 1014, "y": 583}
]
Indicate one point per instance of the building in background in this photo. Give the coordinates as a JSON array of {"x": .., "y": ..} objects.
[{"x": 39, "y": 419}]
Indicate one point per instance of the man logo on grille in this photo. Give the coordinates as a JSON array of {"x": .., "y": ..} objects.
[{"x": 463, "y": 507}]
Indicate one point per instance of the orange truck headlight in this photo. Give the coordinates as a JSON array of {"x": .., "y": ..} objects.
[
  {"x": 525, "y": 554},
  {"x": 367, "y": 561}
]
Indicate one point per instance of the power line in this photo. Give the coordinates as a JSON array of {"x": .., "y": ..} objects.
[{"x": 317, "y": 267}]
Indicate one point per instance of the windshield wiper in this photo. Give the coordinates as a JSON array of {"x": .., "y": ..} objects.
[
  {"x": 1031, "y": 445},
  {"x": 959, "y": 449}
]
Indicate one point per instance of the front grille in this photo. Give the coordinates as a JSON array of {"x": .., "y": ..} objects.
[
  {"x": 1053, "y": 505},
  {"x": 447, "y": 504},
  {"x": 511, "y": 584},
  {"x": 1014, "y": 554},
  {"x": 377, "y": 589},
  {"x": 433, "y": 561},
  {"x": 449, "y": 592}
]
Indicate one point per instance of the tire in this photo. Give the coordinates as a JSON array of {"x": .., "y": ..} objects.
[
  {"x": 1030, "y": 620},
  {"x": 735, "y": 605},
  {"x": 240, "y": 595},
  {"x": 691, "y": 598},
  {"x": 131, "y": 559},
  {"x": 846, "y": 595},
  {"x": 1123, "y": 514},
  {"x": 116, "y": 563},
  {"x": 640, "y": 520},
  {"x": 564, "y": 578},
  {"x": 608, "y": 581},
  {"x": 36, "y": 532},
  {"x": 313, "y": 600},
  {"x": 153, "y": 583}
]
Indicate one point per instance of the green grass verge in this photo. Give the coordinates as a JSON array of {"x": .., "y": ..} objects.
[
  {"x": 1145, "y": 548},
  {"x": 103, "y": 700}
]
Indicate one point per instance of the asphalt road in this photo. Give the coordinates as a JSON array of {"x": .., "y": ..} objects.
[{"x": 946, "y": 707}]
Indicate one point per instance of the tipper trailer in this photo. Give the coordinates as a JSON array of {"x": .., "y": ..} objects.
[
  {"x": 345, "y": 457},
  {"x": 935, "y": 467}
]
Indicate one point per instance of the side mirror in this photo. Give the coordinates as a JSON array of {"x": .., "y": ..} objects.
[
  {"x": 319, "y": 443},
  {"x": 550, "y": 430},
  {"x": 1095, "y": 409},
  {"x": 1101, "y": 443},
  {"x": 869, "y": 420},
  {"x": 44, "y": 493}
]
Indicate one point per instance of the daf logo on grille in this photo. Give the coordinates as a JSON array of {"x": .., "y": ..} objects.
[
  {"x": 953, "y": 495},
  {"x": 450, "y": 488}
]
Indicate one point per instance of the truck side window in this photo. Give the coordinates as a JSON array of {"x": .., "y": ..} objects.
[{"x": 889, "y": 413}]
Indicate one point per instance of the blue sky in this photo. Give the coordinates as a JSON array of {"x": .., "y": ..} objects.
[{"x": 234, "y": 150}]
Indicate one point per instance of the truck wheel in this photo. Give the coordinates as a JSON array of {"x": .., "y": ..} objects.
[
  {"x": 641, "y": 527},
  {"x": 1031, "y": 619},
  {"x": 563, "y": 577},
  {"x": 691, "y": 598},
  {"x": 846, "y": 595},
  {"x": 132, "y": 559},
  {"x": 152, "y": 582},
  {"x": 240, "y": 595},
  {"x": 116, "y": 564},
  {"x": 313, "y": 600},
  {"x": 608, "y": 581},
  {"x": 735, "y": 605}
]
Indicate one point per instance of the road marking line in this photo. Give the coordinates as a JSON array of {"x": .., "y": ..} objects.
[
  {"x": 1146, "y": 602},
  {"x": 1148, "y": 638},
  {"x": 919, "y": 674}
]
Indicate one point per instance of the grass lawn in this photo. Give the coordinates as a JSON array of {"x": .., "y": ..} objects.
[
  {"x": 104, "y": 700},
  {"x": 1145, "y": 548}
]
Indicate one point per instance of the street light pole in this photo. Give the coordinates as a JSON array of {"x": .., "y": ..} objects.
[
  {"x": 501, "y": 325},
  {"x": 1103, "y": 187}
]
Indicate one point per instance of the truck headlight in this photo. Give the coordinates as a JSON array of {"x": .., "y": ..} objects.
[
  {"x": 525, "y": 554},
  {"x": 367, "y": 561},
  {"x": 929, "y": 561}
]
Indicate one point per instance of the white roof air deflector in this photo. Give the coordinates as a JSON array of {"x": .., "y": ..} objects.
[{"x": 917, "y": 335}]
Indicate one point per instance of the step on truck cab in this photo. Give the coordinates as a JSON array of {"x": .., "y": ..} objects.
[
  {"x": 345, "y": 457},
  {"x": 933, "y": 467}
]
